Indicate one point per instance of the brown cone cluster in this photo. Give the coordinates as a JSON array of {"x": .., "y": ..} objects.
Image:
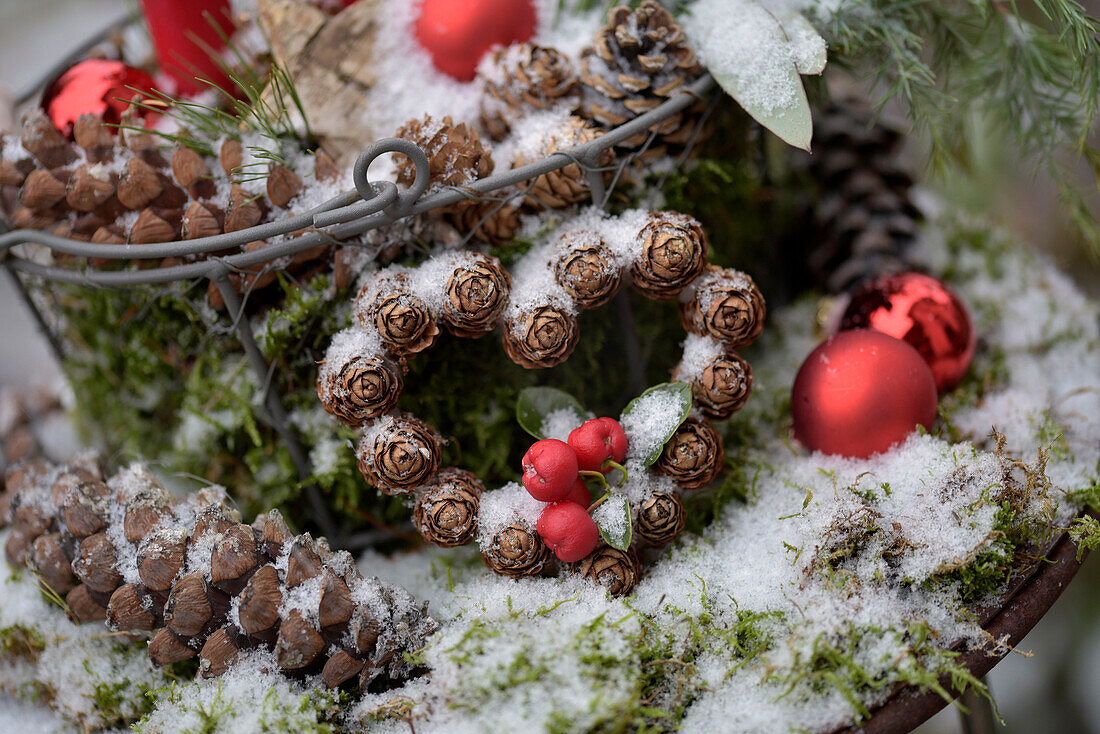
[
  {"x": 616, "y": 570},
  {"x": 673, "y": 254},
  {"x": 402, "y": 320},
  {"x": 565, "y": 186},
  {"x": 516, "y": 551},
  {"x": 129, "y": 190},
  {"x": 446, "y": 510},
  {"x": 867, "y": 220},
  {"x": 523, "y": 78},
  {"x": 586, "y": 268},
  {"x": 355, "y": 384},
  {"x": 639, "y": 60},
  {"x": 725, "y": 305},
  {"x": 660, "y": 519},
  {"x": 541, "y": 337},
  {"x": 693, "y": 456},
  {"x": 400, "y": 454},
  {"x": 203, "y": 583},
  {"x": 476, "y": 295},
  {"x": 722, "y": 387}
]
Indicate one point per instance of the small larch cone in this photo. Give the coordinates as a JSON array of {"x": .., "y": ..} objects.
[
  {"x": 726, "y": 305},
  {"x": 660, "y": 519},
  {"x": 586, "y": 269},
  {"x": 517, "y": 551},
  {"x": 569, "y": 185},
  {"x": 524, "y": 78},
  {"x": 637, "y": 61},
  {"x": 493, "y": 221},
  {"x": 476, "y": 295},
  {"x": 401, "y": 455},
  {"x": 540, "y": 338},
  {"x": 612, "y": 568},
  {"x": 356, "y": 385},
  {"x": 673, "y": 253},
  {"x": 693, "y": 456},
  {"x": 722, "y": 387},
  {"x": 44, "y": 142},
  {"x": 208, "y": 585},
  {"x": 446, "y": 512},
  {"x": 456, "y": 155},
  {"x": 402, "y": 320}
]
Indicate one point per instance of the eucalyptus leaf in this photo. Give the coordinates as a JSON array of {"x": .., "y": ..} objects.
[
  {"x": 536, "y": 403},
  {"x": 612, "y": 518},
  {"x": 680, "y": 394},
  {"x": 807, "y": 45}
]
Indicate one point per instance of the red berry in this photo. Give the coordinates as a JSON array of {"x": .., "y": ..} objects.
[
  {"x": 596, "y": 441},
  {"x": 568, "y": 530},
  {"x": 549, "y": 470},
  {"x": 580, "y": 494}
]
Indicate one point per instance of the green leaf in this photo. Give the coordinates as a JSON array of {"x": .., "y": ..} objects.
[
  {"x": 809, "y": 49},
  {"x": 680, "y": 392},
  {"x": 608, "y": 519},
  {"x": 535, "y": 403}
]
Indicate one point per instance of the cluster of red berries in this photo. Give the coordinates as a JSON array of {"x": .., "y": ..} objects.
[{"x": 554, "y": 471}]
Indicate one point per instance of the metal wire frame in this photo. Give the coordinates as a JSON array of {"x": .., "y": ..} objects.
[{"x": 370, "y": 206}]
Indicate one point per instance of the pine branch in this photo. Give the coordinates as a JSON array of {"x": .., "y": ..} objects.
[{"x": 948, "y": 60}]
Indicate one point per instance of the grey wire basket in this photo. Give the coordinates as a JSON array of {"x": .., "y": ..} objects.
[{"x": 338, "y": 221}]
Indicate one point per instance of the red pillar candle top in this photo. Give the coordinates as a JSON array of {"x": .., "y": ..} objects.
[{"x": 174, "y": 26}]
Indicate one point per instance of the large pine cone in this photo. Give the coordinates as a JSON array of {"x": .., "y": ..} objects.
[
  {"x": 639, "y": 60},
  {"x": 124, "y": 550},
  {"x": 523, "y": 78},
  {"x": 868, "y": 221}
]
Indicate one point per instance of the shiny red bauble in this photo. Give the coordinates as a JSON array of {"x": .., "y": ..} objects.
[
  {"x": 861, "y": 392},
  {"x": 568, "y": 530},
  {"x": 457, "y": 33},
  {"x": 924, "y": 312},
  {"x": 93, "y": 87}
]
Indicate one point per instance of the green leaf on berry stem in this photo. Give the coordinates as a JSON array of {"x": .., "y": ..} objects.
[
  {"x": 536, "y": 404},
  {"x": 613, "y": 520},
  {"x": 652, "y": 418}
]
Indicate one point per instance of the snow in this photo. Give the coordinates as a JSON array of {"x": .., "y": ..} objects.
[
  {"x": 560, "y": 423},
  {"x": 651, "y": 420}
]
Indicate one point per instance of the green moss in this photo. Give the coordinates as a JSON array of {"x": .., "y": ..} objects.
[{"x": 20, "y": 641}]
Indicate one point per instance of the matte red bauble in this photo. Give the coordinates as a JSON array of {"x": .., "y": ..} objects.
[
  {"x": 457, "y": 33},
  {"x": 94, "y": 87},
  {"x": 924, "y": 312},
  {"x": 861, "y": 392}
]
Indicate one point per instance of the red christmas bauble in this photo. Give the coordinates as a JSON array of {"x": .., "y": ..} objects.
[
  {"x": 93, "y": 87},
  {"x": 457, "y": 33},
  {"x": 861, "y": 392},
  {"x": 924, "y": 312}
]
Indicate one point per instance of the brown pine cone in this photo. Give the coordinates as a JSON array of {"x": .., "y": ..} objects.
[
  {"x": 446, "y": 512},
  {"x": 355, "y": 383},
  {"x": 544, "y": 337},
  {"x": 493, "y": 221},
  {"x": 660, "y": 519},
  {"x": 400, "y": 455},
  {"x": 522, "y": 78},
  {"x": 612, "y": 568},
  {"x": 403, "y": 321},
  {"x": 722, "y": 387},
  {"x": 456, "y": 155},
  {"x": 693, "y": 456},
  {"x": 726, "y": 305},
  {"x": 639, "y": 60},
  {"x": 476, "y": 295},
  {"x": 673, "y": 254},
  {"x": 517, "y": 551},
  {"x": 182, "y": 576},
  {"x": 566, "y": 186},
  {"x": 586, "y": 269}
]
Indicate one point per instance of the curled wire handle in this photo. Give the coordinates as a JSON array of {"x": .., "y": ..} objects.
[
  {"x": 383, "y": 195},
  {"x": 393, "y": 145}
]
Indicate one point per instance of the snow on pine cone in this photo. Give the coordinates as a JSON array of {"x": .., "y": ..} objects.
[
  {"x": 867, "y": 219},
  {"x": 126, "y": 189},
  {"x": 639, "y": 60},
  {"x": 122, "y": 549}
]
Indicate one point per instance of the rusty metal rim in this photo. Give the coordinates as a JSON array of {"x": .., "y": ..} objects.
[{"x": 1027, "y": 600}]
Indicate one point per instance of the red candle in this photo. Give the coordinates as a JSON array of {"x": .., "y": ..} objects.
[{"x": 184, "y": 37}]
